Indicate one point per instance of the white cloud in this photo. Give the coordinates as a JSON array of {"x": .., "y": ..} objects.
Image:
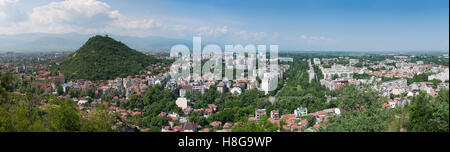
[
  {"x": 4, "y": 4},
  {"x": 82, "y": 16},
  {"x": 96, "y": 16},
  {"x": 68, "y": 11},
  {"x": 8, "y": 2},
  {"x": 275, "y": 36},
  {"x": 211, "y": 32},
  {"x": 2, "y": 15},
  {"x": 303, "y": 36},
  {"x": 315, "y": 38},
  {"x": 242, "y": 35},
  {"x": 63, "y": 17},
  {"x": 258, "y": 36},
  {"x": 320, "y": 38},
  {"x": 253, "y": 37},
  {"x": 126, "y": 22}
]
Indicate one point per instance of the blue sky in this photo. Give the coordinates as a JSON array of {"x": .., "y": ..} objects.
[{"x": 355, "y": 25}]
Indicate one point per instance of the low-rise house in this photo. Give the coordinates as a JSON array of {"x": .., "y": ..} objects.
[
  {"x": 224, "y": 130},
  {"x": 82, "y": 102},
  {"x": 174, "y": 116},
  {"x": 215, "y": 124},
  {"x": 274, "y": 114},
  {"x": 300, "y": 112},
  {"x": 288, "y": 116},
  {"x": 165, "y": 128},
  {"x": 213, "y": 107},
  {"x": 227, "y": 125},
  {"x": 253, "y": 84},
  {"x": 207, "y": 112},
  {"x": 185, "y": 89},
  {"x": 392, "y": 104},
  {"x": 187, "y": 110},
  {"x": 162, "y": 114},
  {"x": 250, "y": 119},
  {"x": 204, "y": 130},
  {"x": 221, "y": 87},
  {"x": 178, "y": 129},
  {"x": 190, "y": 127},
  {"x": 259, "y": 113}
]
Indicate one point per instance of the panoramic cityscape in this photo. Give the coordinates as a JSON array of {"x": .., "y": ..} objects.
[{"x": 314, "y": 66}]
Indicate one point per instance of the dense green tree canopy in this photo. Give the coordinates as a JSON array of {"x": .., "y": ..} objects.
[
  {"x": 428, "y": 114},
  {"x": 103, "y": 58}
]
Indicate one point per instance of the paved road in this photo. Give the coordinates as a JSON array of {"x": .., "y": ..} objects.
[{"x": 282, "y": 87}]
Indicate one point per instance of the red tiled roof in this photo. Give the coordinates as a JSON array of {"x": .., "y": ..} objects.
[
  {"x": 187, "y": 87},
  {"x": 289, "y": 122},
  {"x": 304, "y": 122},
  {"x": 325, "y": 119},
  {"x": 178, "y": 128},
  {"x": 190, "y": 126},
  {"x": 288, "y": 116},
  {"x": 198, "y": 110},
  {"x": 40, "y": 79},
  {"x": 296, "y": 127},
  {"x": 385, "y": 105},
  {"x": 321, "y": 112},
  {"x": 145, "y": 130},
  {"x": 227, "y": 125},
  {"x": 215, "y": 123},
  {"x": 208, "y": 110},
  {"x": 224, "y": 130},
  {"x": 162, "y": 114},
  {"x": 212, "y": 106}
]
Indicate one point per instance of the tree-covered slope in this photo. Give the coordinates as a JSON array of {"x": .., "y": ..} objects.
[{"x": 102, "y": 58}]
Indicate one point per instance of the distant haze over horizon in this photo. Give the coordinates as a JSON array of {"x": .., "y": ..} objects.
[
  {"x": 40, "y": 42},
  {"x": 303, "y": 25}
]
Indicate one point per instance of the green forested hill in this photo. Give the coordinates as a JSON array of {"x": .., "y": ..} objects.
[{"x": 102, "y": 58}]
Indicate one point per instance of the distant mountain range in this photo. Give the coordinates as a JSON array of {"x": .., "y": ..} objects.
[{"x": 41, "y": 42}]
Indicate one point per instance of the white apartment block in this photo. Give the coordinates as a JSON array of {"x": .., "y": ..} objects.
[
  {"x": 345, "y": 72},
  {"x": 269, "y": 82},
  {"x": 441, "y": 76}
]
